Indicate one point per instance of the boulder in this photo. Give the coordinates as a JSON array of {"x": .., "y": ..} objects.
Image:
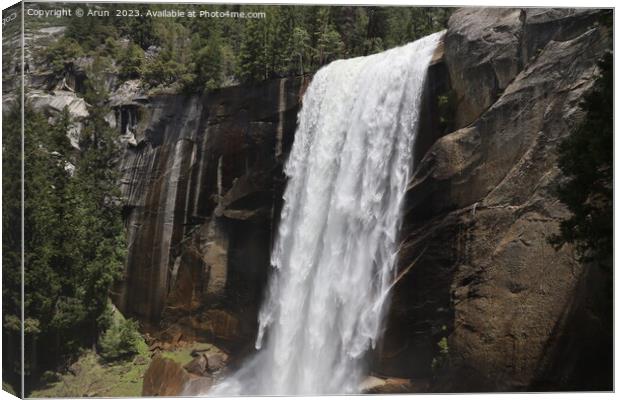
[
  {"x": 164, "y": 377},
  {"x": 376, "y": 385},
  {"x": 198, "y": 366},
  {"x": 55, "y": 102},
  {"x": 216, "y": 357},
  {"x": 217, "y": 360}
]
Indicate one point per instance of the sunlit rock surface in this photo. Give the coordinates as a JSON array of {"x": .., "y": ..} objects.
[
  {"x": 479, "y": 270},
  {"x": 485, "y": 303},
  {"x": 512, "y": 310}
]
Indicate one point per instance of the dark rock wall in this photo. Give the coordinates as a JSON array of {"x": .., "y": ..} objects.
[
  {"x": 481, "y": 209},
  {"x": 486, "y": 303},
  {"x": 201, "y": 184}
]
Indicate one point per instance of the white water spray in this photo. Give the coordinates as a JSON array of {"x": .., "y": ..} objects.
[{"x": 337, "y": 240}]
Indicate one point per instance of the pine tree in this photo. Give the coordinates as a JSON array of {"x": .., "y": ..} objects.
[
  {"x": 97, "y": 200},
  {"x": 74, "y": 236},
  {"x": 301, "y": 50},
  {"x": 327, "y": 42},
  {"x": 254, "y": 57},
  {"x": 586, "y": 159},
  {"x": 11, "y": 244},
  {"x": 131, "y": 62},
  {"x": 329, "y": 45},
  {"x": 352, "y": 23},
  {"x": 47, "y": 266},
  {"x": 207, "y": 61},
  {"x": 141, "y": 30}
]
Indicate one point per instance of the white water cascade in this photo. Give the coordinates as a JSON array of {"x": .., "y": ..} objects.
[{"x": 337, "y": 241}]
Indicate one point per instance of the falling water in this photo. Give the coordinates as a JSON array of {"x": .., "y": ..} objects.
[{"x": 337, "y": 241}]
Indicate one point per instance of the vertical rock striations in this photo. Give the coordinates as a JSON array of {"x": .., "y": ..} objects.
[
  {"x": 486, "y": 303},
  {"x": 200, "y": 175}
]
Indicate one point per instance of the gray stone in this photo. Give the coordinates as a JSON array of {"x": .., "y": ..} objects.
[
  {"x": 198, "y": 366},
  {"x": 481, "y": 209}
]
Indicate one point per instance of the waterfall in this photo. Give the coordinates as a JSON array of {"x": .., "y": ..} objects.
[{"x": 337, "y": 241}]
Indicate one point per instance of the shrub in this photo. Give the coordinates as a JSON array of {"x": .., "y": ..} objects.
[
  {"x": 446, "y": 107},
  {"x": 442, "y": 357},
  {"x": 131, "y": 62},
  {"x": 121, "y": 340},
  {"x": 61, "y": 53},
  {"x": 160, "y": 72}
]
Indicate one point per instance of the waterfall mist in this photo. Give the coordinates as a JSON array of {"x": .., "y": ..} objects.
[{"x": 337, "y": 242}]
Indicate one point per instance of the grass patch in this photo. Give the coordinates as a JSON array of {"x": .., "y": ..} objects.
[
  {"x": 92, "y": 377},
  {"x": 181, "y": 356}
]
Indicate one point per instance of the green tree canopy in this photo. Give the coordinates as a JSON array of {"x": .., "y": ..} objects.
[{"x": 586, "y": 159}]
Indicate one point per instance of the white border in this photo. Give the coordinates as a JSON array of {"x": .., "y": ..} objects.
[{"x": 484, "y": 3}]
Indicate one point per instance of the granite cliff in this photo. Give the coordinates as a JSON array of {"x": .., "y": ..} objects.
[
  {"x": 513, "y": 313},
  {"x": 202, "y": 185},
  {"x": 484, "y": 301}
]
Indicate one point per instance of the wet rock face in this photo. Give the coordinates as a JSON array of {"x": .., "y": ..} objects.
[
  {"x": 486, "y": 303},
  {"x": 481, "y": 209},
  {"x": 164, "y": 377},
  {"x": 202, "y": 182}
]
